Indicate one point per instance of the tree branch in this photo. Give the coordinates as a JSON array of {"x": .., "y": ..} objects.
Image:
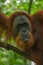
[
  {"x": 30, "y": 5},
  {"x": 10, "y": 47}
]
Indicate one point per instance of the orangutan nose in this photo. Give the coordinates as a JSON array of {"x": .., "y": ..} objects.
[{"x": 24, "y": 35}]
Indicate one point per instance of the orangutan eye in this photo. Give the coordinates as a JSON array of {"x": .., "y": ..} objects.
[{"x": 22, "y": 25}]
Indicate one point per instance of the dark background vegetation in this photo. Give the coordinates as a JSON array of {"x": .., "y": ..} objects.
[{"x": 8, "y": 7}]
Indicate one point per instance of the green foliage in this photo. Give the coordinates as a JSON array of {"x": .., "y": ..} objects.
[
  {"x": 14, "y": 5},
  {"x": 36, "y": 6},
  {"x": 2, "y": 1},
  {"x": 10, "y": 58}
]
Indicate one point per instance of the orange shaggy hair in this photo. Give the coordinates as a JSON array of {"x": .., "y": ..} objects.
[{"x": 36, "y": 21}]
